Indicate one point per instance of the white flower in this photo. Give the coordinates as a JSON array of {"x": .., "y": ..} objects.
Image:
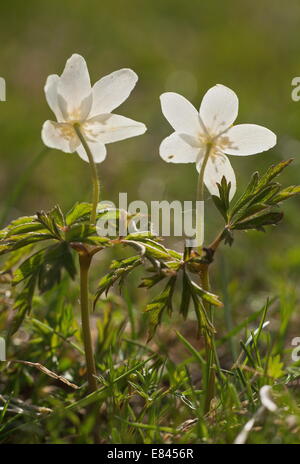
[
  {"x": 211, "y": 126},
  {"x": 73, "y": 100}
]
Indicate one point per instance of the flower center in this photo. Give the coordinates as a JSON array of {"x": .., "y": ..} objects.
[
  {"x": 218, "y": 143},
  {"x": 75, "y": 115},
  {"x": 66, "y": 131}
]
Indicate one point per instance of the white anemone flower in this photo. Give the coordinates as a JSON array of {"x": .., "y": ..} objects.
[
  {"x": 208, "y": 136},
  {"x": 75, "y": 102}
]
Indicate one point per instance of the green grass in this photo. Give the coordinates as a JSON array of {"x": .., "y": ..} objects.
[{"x": 148, "y": 393}]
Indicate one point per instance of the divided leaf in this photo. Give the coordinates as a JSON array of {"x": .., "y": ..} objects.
[
  {"x": 185, "y": 295},
  {"x": 79, "y": 212},
  {"x": 159, "y": 304},
  {"x": 222, "y": 201},
  {"x": 46, "y": 265},
  {"x": 259, "y": 221},
  {"x": 22, "y": 305},
  {"x": 120, "y": 269},
  {"x": 255, "y": 207}
]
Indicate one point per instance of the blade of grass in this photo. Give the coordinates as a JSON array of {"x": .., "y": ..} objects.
[
  {"x": 191, "y": 349},
  {"x": 147, "y": 426}
]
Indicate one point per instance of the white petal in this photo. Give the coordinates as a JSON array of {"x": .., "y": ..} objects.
[
  {"x": 191, "y": 140},
  {"x": 217, "y": 167},
  {"x": 180, "y": 113},
  {"x": 110, "y": 91},
  {"x": 98, "y": 151},
  {"x": 51, "y": 95},
  {"x": 60, "y": 136},
  {"x": 109, "y": 128},
  {"x": 74, "y": 89},
  {"x": 249, "y": 139},
  {"x": 174, "y": 149},
  {"x": 266, "y": 398},
  {"x": 219, "y": 109}
]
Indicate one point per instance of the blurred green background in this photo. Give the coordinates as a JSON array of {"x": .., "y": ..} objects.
[{"x": 251, "y": 46}]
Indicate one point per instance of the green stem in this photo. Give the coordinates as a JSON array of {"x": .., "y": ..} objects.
[
  {"x": 85, "y": 261},
  {"x": 95, "y": 180},
  {"x": 209, "y": 344},
  {"x": 200, "y": 185},
  {"x": 204, "y": 282}
]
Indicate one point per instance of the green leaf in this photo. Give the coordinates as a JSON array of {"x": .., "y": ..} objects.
[
  {"x": 24, "y": 228},
  {"x": 97, "y": 240},
  {"x": 260, "y": 189},
  {"x": 265, "y": 194},
  {"x": 185, "y": 295},
  {"x": 140, "y": 236},
  {"x": 150, "y": 248},
  {"x": 203, "y": 321},
  {"x": 250, "y": 189},
  {"x": 205, "y": 295},
  {"x": 222, "y": 201},
  {"x": 5, "y": 248},
  {"x": 250, "y": 211},
  {"x": 148, "y": 282},
  {"x": 15, "y": 257},
  {"x": 254, "y": 208},
  {"x": 28, "y": 230},
  {"x": 46, "y": 265},
  {"x": 85, "y": 232},
  {"x": 79, "y": 232},
  {"x": 56, "y": 258},
  {"x": 173, "y": 265},
  {"x": 120, "y": 269},
  {"x": 49, "y": 223},
  {"x": 286, "y": 193},
  {"x": 22, "y": 220},
  {"x": 259, "y": 221},
  {"x": 30, "y": 266},
  {"x": 21, "y": 226},
  {"x": 199, "y": 295},
  {"x": 22, "y": 306},
  {"x": 124, "y": 263},
  {"x": 19, "y": 241},
  {"x": 275, "y": 367},
  {"x": 220, "y": 206},
  {"x": 57, "y": 216},
  {"x": 79, "y": 212},
  {"x": 158, "y": 305},
  {"x": 271, "y": 173},
  {"x": 67, "y": 261},
  {"x": 175, "y": 254}
]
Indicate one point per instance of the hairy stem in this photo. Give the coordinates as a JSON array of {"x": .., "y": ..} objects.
[
  {"x": 94, "y": 174},
  {"x": 215, "y": 244},
  {"x": 200, "y": 185},
  {"x": 84, "y": 262},
  {"x": 204, "y": 282},
  {"x": 209, "y": 343}
]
